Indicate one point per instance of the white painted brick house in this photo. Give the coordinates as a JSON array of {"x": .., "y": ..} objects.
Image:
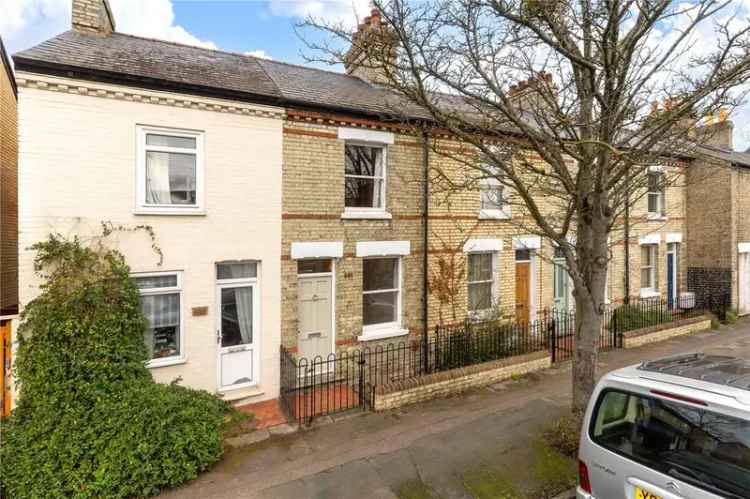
[{"x": 204, "y": 172}]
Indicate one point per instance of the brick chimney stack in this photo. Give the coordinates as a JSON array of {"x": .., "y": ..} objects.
[
  {"x": 717, "y": 133},
  {"x": 373, "y": 47},
  {"x": 93, "y": 17},
  {"x": 527, "y": 94}
]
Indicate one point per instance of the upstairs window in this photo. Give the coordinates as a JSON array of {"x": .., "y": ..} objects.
[
  {"x": 170, "y": 170},
  {"x": 492, "y": 201},
  {"x": 365, "y": 177},
  {"x": 656, "y": 198}
]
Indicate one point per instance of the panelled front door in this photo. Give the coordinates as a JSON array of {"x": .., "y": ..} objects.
[
  {"x": 743, "y": 289},
  {"x": 523, "y": 295},
  {"x": 672, "y": 252},
  {"x": 315, "y": 316}
]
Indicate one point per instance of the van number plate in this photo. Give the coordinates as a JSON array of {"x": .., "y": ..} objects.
[{"x": 644, "y": 494}]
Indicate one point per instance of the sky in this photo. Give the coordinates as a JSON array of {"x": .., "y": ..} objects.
[{"x": 264, "y": 28}]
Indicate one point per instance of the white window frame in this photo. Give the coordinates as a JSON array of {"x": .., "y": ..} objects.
[
  {"x": 385, "y": 329},
  {"x": 494, "y": 280},
  {"x": 176, "y": 359},
  {"x": 661, "y": 196},
  {"x": 501, "y": 213},
  {"x": 379, "y": 212},
  {"x": 652, "y": 289},
  {"x": 144, "y": 208}
]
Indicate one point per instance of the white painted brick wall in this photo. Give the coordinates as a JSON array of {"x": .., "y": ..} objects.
[{"x": 77, "y": 165}]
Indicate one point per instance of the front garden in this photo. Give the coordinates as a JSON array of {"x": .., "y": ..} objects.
[{"x": 90, "y": 420}]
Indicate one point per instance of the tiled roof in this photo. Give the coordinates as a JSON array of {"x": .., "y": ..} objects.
[
  {"x": 132, "y": 58},
  {"x": 155, "y": 62},
  {"x": 128, "y": 59}
]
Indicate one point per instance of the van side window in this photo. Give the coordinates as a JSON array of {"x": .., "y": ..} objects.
[{"x": 706, "y": 449}]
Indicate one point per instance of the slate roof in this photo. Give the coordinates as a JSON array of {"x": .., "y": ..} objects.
[
  {"x": 157, "y": 64},
  {"x": 128, "y": 59}
]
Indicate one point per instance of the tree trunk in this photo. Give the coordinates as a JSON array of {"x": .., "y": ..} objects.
[{"x": 593, "y": 252}]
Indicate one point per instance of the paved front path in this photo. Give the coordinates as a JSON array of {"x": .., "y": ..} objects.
[{"x": 379, "y": 455}]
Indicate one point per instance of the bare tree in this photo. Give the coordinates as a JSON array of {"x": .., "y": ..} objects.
[{"x": 571, "y": 82}]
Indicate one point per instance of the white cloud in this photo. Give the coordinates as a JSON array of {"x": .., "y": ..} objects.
[
  {"x": 260, "y": 53},
  {"x": 347, "y": 12},
  {"x": 153, "y": 19},
  {"x": 25, "y": 23}
]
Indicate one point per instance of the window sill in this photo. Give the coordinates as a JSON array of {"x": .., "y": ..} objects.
[
  {"x": 153, "y": 364},
  {"x": 170, "y": 211},
  {"x": 656, "y": 217},
  {"x": 366, "y": 215},
  {"x": 649, "y": 293},
  {"x": 382, "y": 334},
  {"x": 493, "y": 215}
]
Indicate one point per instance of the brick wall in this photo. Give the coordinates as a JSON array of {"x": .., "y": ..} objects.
[
  {"x": 454, "y": 381},
  {"x": 8, "y": 191},
  {"x": 641, "y": 337},
  {"x": 716, "y": 223},
  {"x": 313, "y": 203},
  {"x": 92, "y": 17}
]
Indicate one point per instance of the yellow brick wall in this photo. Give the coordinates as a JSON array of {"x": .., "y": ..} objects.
[
  {"x": 313, "y": 201},
  {"x": 8, "y": 195}
]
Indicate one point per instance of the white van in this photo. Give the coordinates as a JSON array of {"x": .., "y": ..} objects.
[{"x": 674, "y": 428}]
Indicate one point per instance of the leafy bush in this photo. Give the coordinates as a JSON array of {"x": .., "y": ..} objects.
[
  {"x": 565, "y": 434},
  {"x": 632, "y": 317},
  {"x": 731, "y": 316},
  {"x": 90, "y": 421}
]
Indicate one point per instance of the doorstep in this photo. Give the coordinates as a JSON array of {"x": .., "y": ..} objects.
[{"x": 267, "y": 413}]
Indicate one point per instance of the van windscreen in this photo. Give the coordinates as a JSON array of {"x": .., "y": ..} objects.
[{"x": 697, "y": 446}]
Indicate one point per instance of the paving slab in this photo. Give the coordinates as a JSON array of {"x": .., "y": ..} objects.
[{"x": 425, "y": 450}]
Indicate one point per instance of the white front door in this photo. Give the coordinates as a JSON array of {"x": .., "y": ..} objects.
[
  {"x": 315, "y": 316},
  {"x": 743, "y": 288},
  {"x": 238, "y": 314}
]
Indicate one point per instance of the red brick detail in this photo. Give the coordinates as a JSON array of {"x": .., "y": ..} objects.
[
  {"x": 309, "y": 216},
  {"x": 310, "y": 133}
]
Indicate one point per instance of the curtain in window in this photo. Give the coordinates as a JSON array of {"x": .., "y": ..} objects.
[
  {"x": 157, "y": 178},
  {"x": 244, "y": 299},
  {"x": 163, "y": 315}
]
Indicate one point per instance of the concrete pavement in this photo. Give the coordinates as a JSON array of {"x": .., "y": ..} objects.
[{"x": 429, "y": 449}]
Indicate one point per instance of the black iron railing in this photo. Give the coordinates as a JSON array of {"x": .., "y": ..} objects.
[{"x": 347, "y": 380}]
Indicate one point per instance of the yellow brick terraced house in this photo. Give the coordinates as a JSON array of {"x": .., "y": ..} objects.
[{"x": 293, "y": 209}]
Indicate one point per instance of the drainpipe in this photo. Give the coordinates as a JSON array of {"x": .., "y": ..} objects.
[
  {"x": 626, "y": 298},
  {"x": 425, "y": 244}
]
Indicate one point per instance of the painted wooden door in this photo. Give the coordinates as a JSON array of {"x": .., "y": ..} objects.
[
  {"x": 523, "y": 295},
  {"x": 743, "y": 288},
  {"x": 315, "y": 317},
  {"x": 5, "y": 363}
]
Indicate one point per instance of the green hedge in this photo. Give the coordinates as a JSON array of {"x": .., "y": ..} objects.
[
  {"x": 632, "y": 317},
  {"x": 90, "y": 421}
]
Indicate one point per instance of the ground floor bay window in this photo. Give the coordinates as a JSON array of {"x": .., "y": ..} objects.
[
  {"x": 161, "y": 304},
  {"x": 381, "y": 297}
]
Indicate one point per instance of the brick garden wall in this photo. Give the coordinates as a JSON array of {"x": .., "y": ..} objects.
[
  {"x": 663, "y": 332},
  {"x": 445, "y": 383}
]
